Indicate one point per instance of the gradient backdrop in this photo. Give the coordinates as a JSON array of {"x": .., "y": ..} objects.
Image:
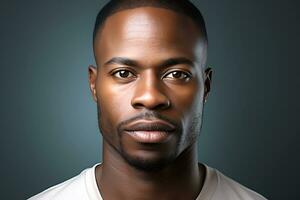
[{"x": 48, "y": 120}]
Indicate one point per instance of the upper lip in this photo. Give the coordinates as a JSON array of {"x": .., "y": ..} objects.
[{"x": 153, "y": 125}]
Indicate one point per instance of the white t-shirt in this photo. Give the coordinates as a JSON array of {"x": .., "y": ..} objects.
[{"x": 84, "y": 187}]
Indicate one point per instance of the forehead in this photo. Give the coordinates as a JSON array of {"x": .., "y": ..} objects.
[{"x": 145, "y": 31}]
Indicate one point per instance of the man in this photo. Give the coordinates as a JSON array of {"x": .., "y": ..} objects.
[{"x": 150, "y": 86}]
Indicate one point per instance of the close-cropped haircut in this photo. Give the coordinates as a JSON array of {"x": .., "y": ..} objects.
[{"x": 184, "y": 7}]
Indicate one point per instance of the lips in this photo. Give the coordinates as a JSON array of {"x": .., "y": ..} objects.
[{"x": 150, "y": 131}]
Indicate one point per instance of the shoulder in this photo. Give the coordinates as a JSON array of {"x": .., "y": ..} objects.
[
  {"x": 228, "y": 188},
  {"x": 74, "y": 188}
]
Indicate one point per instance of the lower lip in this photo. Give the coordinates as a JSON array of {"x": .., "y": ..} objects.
[{"x": 150, "y": 136}]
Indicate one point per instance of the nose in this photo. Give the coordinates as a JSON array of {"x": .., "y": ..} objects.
[{"x": 149, "y": 94}]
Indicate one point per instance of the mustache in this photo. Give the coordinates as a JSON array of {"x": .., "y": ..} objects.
[{"x": 148, "y": 115}]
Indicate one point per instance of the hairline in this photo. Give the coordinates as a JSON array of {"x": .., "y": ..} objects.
[
  {"x": 99, "y": 28},
  {"x": 200, "y": 27}
]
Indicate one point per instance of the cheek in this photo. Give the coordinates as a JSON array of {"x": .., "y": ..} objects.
[
  {"x": 114, "y": 102},
  {"x": 187, "y": 98}
]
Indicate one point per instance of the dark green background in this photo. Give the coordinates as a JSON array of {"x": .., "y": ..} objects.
[{"x": 48, "y": 120}]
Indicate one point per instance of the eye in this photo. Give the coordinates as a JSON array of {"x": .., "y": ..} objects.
[
  {"x": 180, "y": 75},
  {"x": 123, "y": 74}
]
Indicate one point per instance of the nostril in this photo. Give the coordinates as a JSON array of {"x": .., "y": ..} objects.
[
  {"x": 151, "y": 104},
  {"x": 163, "y": 106},
  {"x": 137, "y": 105},
  {"x": 150, "y": 96}
]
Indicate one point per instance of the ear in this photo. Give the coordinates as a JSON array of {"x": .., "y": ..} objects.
[
  {"x": 92, "y": 81},
  {"x": 207, "y": 82}
]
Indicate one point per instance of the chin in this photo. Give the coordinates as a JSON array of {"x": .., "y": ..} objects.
[{"x": 148, "y": 161}]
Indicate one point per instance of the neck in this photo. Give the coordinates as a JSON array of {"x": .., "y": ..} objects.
[{"x": 182, "y": 179}]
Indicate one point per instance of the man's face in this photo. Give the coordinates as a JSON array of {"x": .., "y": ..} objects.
[{"x": 149, "y": 85}]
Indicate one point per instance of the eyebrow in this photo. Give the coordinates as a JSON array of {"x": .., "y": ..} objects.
[{"x": 166, "y": 63}]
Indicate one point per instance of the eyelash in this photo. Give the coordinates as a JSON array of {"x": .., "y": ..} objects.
[
  {"x": 122, "y": 70},
  {"x": 187, "y": 75}
]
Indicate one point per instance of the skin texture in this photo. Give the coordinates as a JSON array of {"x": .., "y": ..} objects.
[{"x": 150, "y": 67}]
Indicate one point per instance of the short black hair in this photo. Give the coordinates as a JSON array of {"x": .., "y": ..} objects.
[{"x": 181, "y": 6}]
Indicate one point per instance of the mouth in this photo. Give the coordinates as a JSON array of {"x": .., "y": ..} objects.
[
  {"x": 149, "y": 136},
  {"x": 150, "y": 131}
]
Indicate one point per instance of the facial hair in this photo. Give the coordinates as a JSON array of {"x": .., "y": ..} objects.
[{"x": 151, "y": 165}]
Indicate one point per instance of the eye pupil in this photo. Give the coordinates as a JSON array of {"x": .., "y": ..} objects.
[
  {"x": 124, "y": 74},
  {"x": 176, "y": 74}
]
